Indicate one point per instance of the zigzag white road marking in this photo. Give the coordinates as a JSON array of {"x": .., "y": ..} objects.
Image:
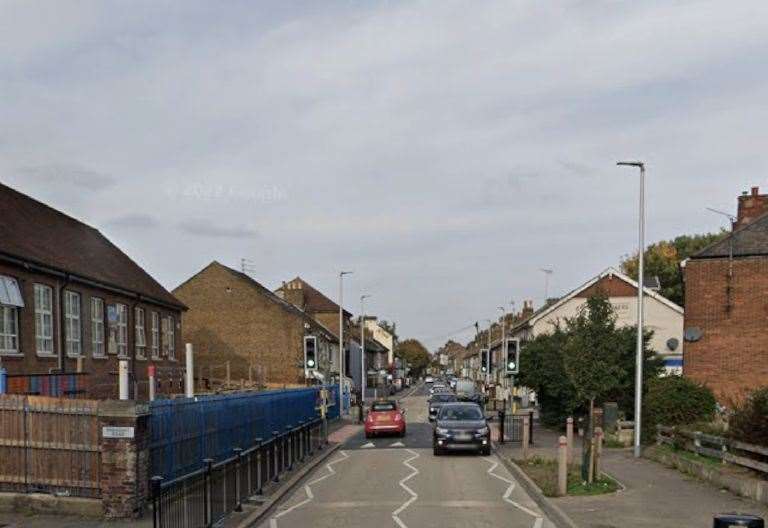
[
  {"x": 308, "y": 490},
  {"x": 414, "y": 495},
  {"x": 539, "y": 519}
]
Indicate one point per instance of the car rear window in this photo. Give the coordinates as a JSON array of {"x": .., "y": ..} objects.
[
  {"x": 460, "y": 413},
  {"x": 383, "y": 406},
  {"x": 444, "y": 398}
]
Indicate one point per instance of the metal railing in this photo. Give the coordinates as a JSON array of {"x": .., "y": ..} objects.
[{"x": 206, "y": 496}]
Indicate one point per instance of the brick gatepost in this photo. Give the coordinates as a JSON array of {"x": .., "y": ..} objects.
[{"x": 124, "y": 432}]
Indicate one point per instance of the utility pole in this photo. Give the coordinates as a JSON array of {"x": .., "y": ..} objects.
[
  {"x": 362, "y": 344},
  {"x": 640, "y": 292},
  {"x": 341, "y": 341}
]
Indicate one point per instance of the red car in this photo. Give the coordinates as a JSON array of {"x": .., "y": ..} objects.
[{"x": 385, "y": 417}]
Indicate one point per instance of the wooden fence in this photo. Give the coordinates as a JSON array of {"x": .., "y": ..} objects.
[
  {"x": 49, "y": 444},
  {"x": 725, "y": 449}
]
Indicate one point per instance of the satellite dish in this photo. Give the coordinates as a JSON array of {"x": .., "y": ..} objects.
[
  {"x": 673, "y": 343},
  {"x": 692, "y": 334}
]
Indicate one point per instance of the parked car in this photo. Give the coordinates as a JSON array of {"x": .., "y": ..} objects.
[
  {"x": 437, "y": 401},
  {"x": 385, "y": 416},
  {"x": 429, "y": 379},
  {"x": 461, "y": 427}
]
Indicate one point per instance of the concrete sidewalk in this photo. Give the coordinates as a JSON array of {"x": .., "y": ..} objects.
[{"x": 653, "y": 495}]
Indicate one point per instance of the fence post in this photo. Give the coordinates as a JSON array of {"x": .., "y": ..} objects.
[
  {"x": 502, "y": 416},
  {"x": 289, "y": 445},
  {"x": 530, "y": 427},
  {"x": 569, "y": 438},
  {"x": 275, "y": 435},
  {"x": 157, "y": 519},
  {"x": 258, "y": 466},
  {"x": 300, "y": 449},
  {"x": 208, "y": 492},
  {"x": 562, "y": 466},
  {"x": 238, "y": 478}
]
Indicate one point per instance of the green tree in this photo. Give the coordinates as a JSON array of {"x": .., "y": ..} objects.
[
  {"x": 662, "y": 259},
  {"x": 415, "y": 354}
]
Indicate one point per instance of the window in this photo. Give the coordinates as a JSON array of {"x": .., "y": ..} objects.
[
  {"x": 44, "y": 319},
  {"x": 122, "y": 330},
  {"x": 155, "y": 335},
  {"x": 72, "y": 327},
  {"x": 9, "y": 330},
  {"x": 97, "y": 327},
  {"x": 169, "y": 342},
  {"x": 140, "y": 334}
]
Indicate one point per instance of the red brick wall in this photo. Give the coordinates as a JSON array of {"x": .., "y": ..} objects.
[
  {"x": 102, "y": 380},
  {"x": 732, "y": 355},
  {"x": 750, "y": 207}
]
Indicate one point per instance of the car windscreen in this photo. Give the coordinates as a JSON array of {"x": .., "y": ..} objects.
[
  {"x": 443, "y": 398},
  {"x": 383, "y": 407},
  {"x": 460, "y": 413}
]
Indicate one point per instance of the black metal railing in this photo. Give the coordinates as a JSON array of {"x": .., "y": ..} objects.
[{"x": 204, "y": 497}]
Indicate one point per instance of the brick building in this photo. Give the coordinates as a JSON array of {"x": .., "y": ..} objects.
[
  {"x": 726, "y": 305},
  {"x": 70, "y": 299},
  {"x": 232, "y": 318},
  {"x": 305, "y": 297}
]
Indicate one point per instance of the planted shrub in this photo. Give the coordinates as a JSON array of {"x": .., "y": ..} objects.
[
  {"x": 749, "y": 422},
  {"x": 674, "y": 400}
]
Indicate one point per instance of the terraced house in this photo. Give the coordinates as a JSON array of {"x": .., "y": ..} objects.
[{"x": 72, "y": 302}]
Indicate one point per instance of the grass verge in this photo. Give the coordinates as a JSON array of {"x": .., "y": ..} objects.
[{"x": 543, "y": 471}]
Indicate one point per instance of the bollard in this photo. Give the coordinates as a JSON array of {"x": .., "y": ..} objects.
[
  {"x": 275, "y": 475},
  {"x": 569, "y": 438},
  {"x": 731, "y": 520},
  {"x": 598, "y": 451},
  {"x": 562, "y": 466},
  {"x": 526, "y": 436},
  {"x": 258, "y": 466},
  {"x": 156, "y": 483},
  {"x": 238, "y": 480}
]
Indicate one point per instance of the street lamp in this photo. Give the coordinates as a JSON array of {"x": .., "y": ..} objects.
[
  {"x": 640, "y": 292},
  {"x": 341, "y": 340},
  {"x": 362, "y": 344}
]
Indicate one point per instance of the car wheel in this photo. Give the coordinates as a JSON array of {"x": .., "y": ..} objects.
[
  {"x": 437, "y": 451},
  {"x": 402, "y": 433},
  {"x": 486, "y": 451},
  {"x": 368, "y": 435}
]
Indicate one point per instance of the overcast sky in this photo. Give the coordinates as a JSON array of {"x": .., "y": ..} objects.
[{"x": 445, "y": 151}]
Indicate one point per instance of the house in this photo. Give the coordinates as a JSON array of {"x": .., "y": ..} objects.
[
  {"x": 662, "y": 316},
  {"x": 70, "y": 300},
  {"x": 384, "y": 337},
  {"x": 234, "y": 320},
  {"x": 726, "y": 287}
]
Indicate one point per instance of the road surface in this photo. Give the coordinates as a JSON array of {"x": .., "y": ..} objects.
[{"x": 397, "y": 482}]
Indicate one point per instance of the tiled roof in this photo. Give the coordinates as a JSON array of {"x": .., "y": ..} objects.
[
  {"x": 748, "y": 240},
  {"x": 314, "y": 300},
  {"x": 35, "y": 233}
]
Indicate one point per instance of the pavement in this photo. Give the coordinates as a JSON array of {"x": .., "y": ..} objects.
[
  {"x": 652, "y": 495},
  {"x": 398, "y": 482}
]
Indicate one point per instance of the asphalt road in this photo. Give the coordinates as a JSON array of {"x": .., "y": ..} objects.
[{"x": 397, "y": 482}]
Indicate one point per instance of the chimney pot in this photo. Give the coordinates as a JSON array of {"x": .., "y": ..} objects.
[{"x": 755, "y": 191}]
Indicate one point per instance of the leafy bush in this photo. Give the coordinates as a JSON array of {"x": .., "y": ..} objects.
[
  {"x": 674, "y": 400},
  {"x": 749, "y": 422}
]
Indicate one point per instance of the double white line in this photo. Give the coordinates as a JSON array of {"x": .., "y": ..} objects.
[
  {"x": 413, "y": 494},
  {"x": 308, "y": 490}
]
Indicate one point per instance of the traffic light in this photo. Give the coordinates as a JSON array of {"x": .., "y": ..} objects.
[
  {"x": 310, "y": 353},
  {"x": 512, "y": 353},
  {"x": 484, "y": 360}
]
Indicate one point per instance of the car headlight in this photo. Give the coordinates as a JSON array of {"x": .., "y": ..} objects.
[
  {"x": 432, "y": 409},
  {"x": 483, "y": 431},
  {"x": 441, "y": 431}
]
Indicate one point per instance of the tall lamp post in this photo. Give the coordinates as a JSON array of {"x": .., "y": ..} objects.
[
  {"x": 362, "y": 345},
  {"x": 640, "y": 290},
  {"x": 341, "y": 340}
]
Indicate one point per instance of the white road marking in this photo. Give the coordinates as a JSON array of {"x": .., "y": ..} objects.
[
  {"x": 539, "y": 520},
  {"x": 414, "y": 495},
  {"x": 397, "y": 444},
  {"x": 308, "y": 490},
  {"x": 368, "y": 445}
]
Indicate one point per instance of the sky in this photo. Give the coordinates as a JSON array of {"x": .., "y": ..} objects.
[{"x": 445, "y": 151}]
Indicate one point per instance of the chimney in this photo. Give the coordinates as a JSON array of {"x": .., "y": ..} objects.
[
  {"x": 527, "y": 309},
  {"x": 751, "y": 205}
]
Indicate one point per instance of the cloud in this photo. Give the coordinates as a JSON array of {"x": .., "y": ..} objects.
[
  {"x": 204, "y": 228},
  {"x": 134, "y": 221},
  {"x": 65, "y": 175}
]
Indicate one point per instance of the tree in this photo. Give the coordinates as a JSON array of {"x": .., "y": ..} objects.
[
  {"x": 415, "y": 354},
  {"x": 662, "y": 259}
]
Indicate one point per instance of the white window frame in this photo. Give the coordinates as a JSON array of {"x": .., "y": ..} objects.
[
  {"x": 155, "y": 335},
  {"x": 169, "y": 337},
  {"x": 73, "y": 308},
  {"x": 98, "y": 335},
  {"x": 43, "y": 316},
  {"x": 140, "y": 332},
  {"x": 122, "y": 330},
  {"x": 9, "y": 337}
]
